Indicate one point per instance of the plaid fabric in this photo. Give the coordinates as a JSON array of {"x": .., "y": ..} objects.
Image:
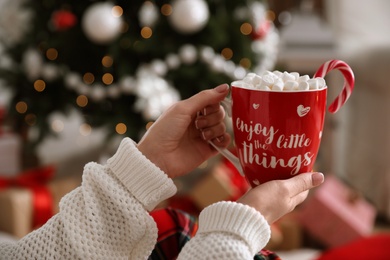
[{"x": 175, "y": 229}]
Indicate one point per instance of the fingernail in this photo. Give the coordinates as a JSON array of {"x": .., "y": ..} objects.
[
  {"x": 200, "y": 123},
  {"x": 317, "y": 178},
  {"x": 220, "y": 139},
  {"x": 206, "y": 135},
  {"x": 222, "y": 88}
]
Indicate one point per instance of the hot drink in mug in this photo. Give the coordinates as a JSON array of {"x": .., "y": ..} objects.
[{"x": 278, "y": 120}]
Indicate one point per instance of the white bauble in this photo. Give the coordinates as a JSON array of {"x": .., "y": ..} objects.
[
  {"x": 189, "y": 16},
  {"x": 32, "y": 63},
  {"x": 128, "y": 85},
  {"x": 172, "y": 61},
  {"x": 50, "y": 72},
  {"x": 188, "y": 53},
  {"x": 100, "y": 23},
  {"x": 113, "y": 91},
  {"x": 72, "y": 80},
  {"x": 98, "y": 92},
  {"x": 148, "y": 14},
  {"x": 159, "y": 67}
]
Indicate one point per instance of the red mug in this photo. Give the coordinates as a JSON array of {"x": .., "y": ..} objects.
[{"x": 277, "y": 134}]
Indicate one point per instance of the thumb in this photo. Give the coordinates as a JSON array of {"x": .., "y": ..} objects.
[
  {"x": 305, "y": 181},
  {"x": 206, "y": 98}
]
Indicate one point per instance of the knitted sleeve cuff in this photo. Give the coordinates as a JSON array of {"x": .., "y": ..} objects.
[
  {"x": 238, "y": 219},
  {"x": 142, "y": 178}
]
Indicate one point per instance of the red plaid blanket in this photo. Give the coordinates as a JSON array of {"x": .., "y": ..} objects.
[{"x": 175, "y": 229}]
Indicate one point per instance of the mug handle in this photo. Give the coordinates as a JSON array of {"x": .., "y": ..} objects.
[{"x": 227, "y": 105}]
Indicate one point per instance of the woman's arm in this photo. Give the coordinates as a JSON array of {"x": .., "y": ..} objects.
[{"x": 106, "y": 217}]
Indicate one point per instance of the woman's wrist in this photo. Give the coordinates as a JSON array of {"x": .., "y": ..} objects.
[
  {"x": 152, "y": 154},
  {"x": 141, "y": 177}
]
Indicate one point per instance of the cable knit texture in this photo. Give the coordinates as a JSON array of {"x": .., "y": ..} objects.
[
  {"x": 107, "y": 217},
  {"x": 228, "y": 230}
]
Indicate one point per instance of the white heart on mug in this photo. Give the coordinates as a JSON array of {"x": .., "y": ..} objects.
[
  {"x": 302, "y": 111},
  {"x": 256, "y": 106},
  {"x": 256, "y": 182}
]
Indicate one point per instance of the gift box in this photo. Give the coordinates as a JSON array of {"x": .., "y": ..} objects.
[
  {"x": 212, "y": 188},
  {"x": 223, "y": 183},
  {"x": 25, "y": 208},
  {"x": 335, "y": 214}
]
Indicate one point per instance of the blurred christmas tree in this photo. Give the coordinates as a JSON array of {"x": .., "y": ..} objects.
[{"x": 120, "y": 62}]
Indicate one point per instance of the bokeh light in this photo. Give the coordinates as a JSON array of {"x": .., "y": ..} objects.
[
  {"x": 108, "y": 78},
  {"x": 85, "y": 129},
  {"x": 121, "y": 128},
  {"x": 21, "y": 107},
  {"x": 107, "y": 61},
  {"x": 146, "y": 32},
  {"x": 57, "y": 125},
  {"x": 166, "y": 9},
  {"x": 82, "y": 101},
  {"x": 30, "y": 119},
  {"x": 246, "y": 28},
  {"x": 52, "y": 54},
  {"x": 88, "y": 78},
  {"x": 117, "y": 11},
  {"x": 227, "y": 53},
  {"x": 246, "y": 63},
  {"x": 39, "y": 85}
]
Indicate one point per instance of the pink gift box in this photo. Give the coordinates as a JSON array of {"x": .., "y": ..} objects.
[{"x": 335, "y": 214}]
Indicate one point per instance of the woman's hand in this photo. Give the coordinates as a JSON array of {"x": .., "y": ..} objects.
[
  {"x": 177, "y": 141},
  {"x": 274, "y": 199}
]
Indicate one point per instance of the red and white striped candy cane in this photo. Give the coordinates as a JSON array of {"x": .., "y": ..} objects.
[{"x": 349, "y": 81}]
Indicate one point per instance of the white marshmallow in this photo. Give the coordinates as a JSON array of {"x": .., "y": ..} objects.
[
  {"x": 303, "y": 85},
  {"x": 278, "y": 81},
  {"x": 256, "y": 80},
  {"x": 303, "y": 78},
  {"x": 278, "y": 85},
  {"x": 262, "y": 87},
  {"x": 277, "y": 73},
  {"x": 270, "y": 74},
  {"x": 313, "y": 83},
  {"x": 251, "y": 74},
  {"x": 287, "y": 77},
  {"x": 248, "y": 79},
  {"x": 241, "y": 84},
  {"x": 295, "y": 75},
  {"x": 290, "y": 85},
  {"x": 268, "y": 79},
  {"x": 321, "y": 82}
]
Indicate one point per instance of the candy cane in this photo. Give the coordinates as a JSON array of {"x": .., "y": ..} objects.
[{"x": 349, "y": 81}]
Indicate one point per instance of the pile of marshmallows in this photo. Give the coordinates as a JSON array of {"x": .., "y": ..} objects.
[{"x": 280, "y": 81}]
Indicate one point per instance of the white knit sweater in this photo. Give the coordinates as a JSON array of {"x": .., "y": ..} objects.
[{"x": 107, "y": 218}]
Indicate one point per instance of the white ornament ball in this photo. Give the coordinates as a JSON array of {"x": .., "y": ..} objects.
[
  {"x": 98, "y": 92},
  {"x": 128, "y": 85},
  {"x": 159, "y": 67},
  {"x": 189, "y": 16},
  {"x": 32, "y": 64},
  {"x": 148, "y": 14},
  {"x": 188, "y": 53},
  {"x": 173, "y": 61},
  {"x": 101, "y": 24},
  {"x": 50, "y": 72},
  {"x": 72, "y": 80}
]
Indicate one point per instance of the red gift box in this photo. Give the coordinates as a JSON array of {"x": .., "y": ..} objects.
[{"x": 336, "y": 215}]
